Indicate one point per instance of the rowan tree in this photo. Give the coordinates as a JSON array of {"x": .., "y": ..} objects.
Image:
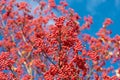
[{"x": 47, "y": 43}]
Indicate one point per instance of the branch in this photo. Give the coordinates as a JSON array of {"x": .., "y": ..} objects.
[{"x": 46, "y": 56}]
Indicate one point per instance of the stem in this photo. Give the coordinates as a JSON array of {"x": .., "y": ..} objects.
[
  {"x": 15, "y": 76},
  {"x": 3, "y": 24},
  {"x": 90, "y": 73},
  {"x": 59, "y": 47},
  {"x": 29, "y": 70},
  {"x": 46, "y": 56}
]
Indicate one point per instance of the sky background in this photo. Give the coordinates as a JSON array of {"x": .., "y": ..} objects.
[{"x": 99, "y": 10}]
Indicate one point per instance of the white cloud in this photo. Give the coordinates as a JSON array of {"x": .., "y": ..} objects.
[{"x": 92, "y": 4}]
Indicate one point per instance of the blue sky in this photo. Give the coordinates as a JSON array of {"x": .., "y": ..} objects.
[{"x": 99, "y": 10}]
